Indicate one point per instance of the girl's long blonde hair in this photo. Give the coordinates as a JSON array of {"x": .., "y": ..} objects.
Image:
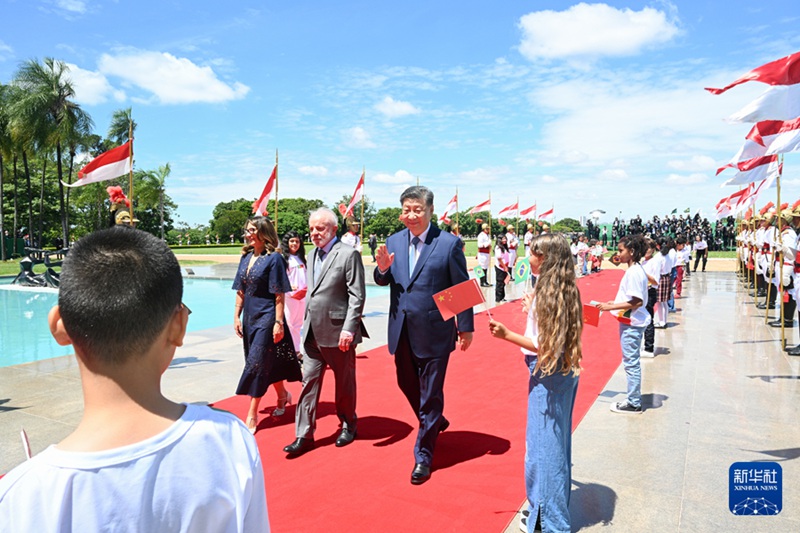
[{"x": 558, "y": 307}]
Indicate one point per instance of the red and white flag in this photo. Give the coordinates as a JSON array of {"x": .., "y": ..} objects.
[
  {"x": 452, "y": 207},
  {"x": 727, "y": 205},
  {"x": 483, "y": 206},
  {"x": 783, "y": 71},
  {"x": 357, "y": 195},
  {"x": 750, "y": 196},
  {"x": 106, "y": 166},
  {"x": 755, "y": 144},
  {"x": 547, "y": 213},
  {"x": 529, "y": 211},
  {"x": 510, "y": 211},
  {"x": 781, "y": 102},
  {"x": 260, "y": 205},
  {"x": 755, "y": 169},
  {"x": 787, "y": 138}
]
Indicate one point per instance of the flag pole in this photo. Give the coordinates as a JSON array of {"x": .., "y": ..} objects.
[
  {"x": 780, "y": 255},
  {"x": 363, "y": 194},
  {"x": 458, "y": 226},
  {"x": 518, "y": 228},
  {"x": 276, "y": 194},
  {"x": 130, "y": 160}
]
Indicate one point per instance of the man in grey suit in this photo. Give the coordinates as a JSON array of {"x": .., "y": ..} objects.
[{"x": 332, "y": 328}]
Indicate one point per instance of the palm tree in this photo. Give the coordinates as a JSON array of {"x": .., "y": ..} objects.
[
  {"x": 122, "y": 124},
  {"x": 5, "y": 145},
  {"x": 50, "y": 117},
  {"x": 20, "y": 143},
  {"x": 160, "y": 177}
]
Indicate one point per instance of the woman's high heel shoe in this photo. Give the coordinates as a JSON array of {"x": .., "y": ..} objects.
[
  {"x": 254, "y": 426},
  {"x": 281, "y": 409}
]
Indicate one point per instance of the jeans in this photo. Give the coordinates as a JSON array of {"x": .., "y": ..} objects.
[
  {"x": 548, "y": 447},
  {"x": 630, "y": 339},
  {"x": 672, "y": 275}
]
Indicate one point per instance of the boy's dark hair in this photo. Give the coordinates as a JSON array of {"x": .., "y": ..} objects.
[
  {"x": 680, "y": 240},
  {"x": 636, "y": 246},
  {"x": 119, "y": 287}
]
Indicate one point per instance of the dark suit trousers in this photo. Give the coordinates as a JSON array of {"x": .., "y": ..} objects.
[
  {"x": 422, "y": 383},
  {"x": 343, "y": 365}
]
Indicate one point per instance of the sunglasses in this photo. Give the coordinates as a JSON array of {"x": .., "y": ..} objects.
[{"x": 184, "y": 306}]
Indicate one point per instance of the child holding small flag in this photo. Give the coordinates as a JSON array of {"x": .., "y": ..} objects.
[
  {"x": 552, "y": 348},
  {"x": 633, "y": 318}
]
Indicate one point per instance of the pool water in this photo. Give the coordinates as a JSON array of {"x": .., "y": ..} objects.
[{"x": 25, "y": 336}]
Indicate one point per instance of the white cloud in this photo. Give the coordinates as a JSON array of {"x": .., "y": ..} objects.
[
  {"x": 401, "y": 177},
  {"x": 614, "y": 174},
  {"x": 313, "y": 170},
  {"x": 357, "y": 138},
  {"x": 92, "y": 87},
  {"x": 395, "y": 108},
  {"x": 690, "y": 179},
  {"x": 5, "y": 50},
  {"x": 73, "y": 6},
  {"x": 549, "y": 179},
  {"x": 593, "y": 30},
  {"x": 170, "y": 79},
  {"x": 616, "y": 116},
  {"x": 697, "y": 163}
]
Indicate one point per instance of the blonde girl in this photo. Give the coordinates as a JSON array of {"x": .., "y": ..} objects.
[{"x": 552, "y": 348}]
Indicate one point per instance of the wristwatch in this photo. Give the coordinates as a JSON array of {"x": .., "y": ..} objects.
[{"x": 279, "y": 322}]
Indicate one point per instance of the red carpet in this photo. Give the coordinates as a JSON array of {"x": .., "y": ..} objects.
[{"x": 477, "y": 482}]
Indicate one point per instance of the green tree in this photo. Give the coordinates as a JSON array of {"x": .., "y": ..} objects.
[
  {"x": 5, "y": 149},
  {"x": 229, "y": 223},
  {"x": 385, "y": 222},
  {"x": 567, "y": 225},
  {"x": 119, "y": 129},
  {"x": 51, "y": 118},
  {"x": 245, "y": 206},
  {"x": 159, "y": 178}
]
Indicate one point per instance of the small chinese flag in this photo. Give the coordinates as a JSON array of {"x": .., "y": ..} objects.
[
  {"x": 458, "y": 298},
  {"x": 591, "y": 315}
]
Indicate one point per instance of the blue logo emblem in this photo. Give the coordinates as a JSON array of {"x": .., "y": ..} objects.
[{"x": 755, "y": 488}]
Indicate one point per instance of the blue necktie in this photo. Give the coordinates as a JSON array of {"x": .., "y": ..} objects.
[{"x": 412, "y": 255}]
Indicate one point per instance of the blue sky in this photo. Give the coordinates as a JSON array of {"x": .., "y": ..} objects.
[{"x": 579, "y": 106}]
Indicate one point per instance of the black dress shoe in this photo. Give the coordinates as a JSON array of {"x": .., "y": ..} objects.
[
  {"x": 421, "y": 474},
  {"x": 345, "y": 437},
  {"x": 300, "y": 446},
  {"x": 444, "y": 425},
  {"x": 765, "y": 306},
  {"x": 777, "y": 324},
  {"x": 794, "y": 350},
  {"x": 761, "y": 293}
]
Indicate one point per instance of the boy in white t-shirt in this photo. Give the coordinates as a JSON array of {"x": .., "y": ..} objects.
[{"x": 137, "y": 461}]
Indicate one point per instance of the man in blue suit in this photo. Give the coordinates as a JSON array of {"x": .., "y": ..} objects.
[{"x": 418, "y": 262}]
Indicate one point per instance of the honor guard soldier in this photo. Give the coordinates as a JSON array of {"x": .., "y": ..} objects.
[
  {"x": 513, "y": 243},
  {"x": 784, "y": 267},
  {"x": 351, "y": 238},
  {"x": 484, "y": 251}
]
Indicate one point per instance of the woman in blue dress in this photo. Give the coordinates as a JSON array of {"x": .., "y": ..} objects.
[
  {"x": 260, "y": 286},
  {"x": 552, "y": 349}
]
